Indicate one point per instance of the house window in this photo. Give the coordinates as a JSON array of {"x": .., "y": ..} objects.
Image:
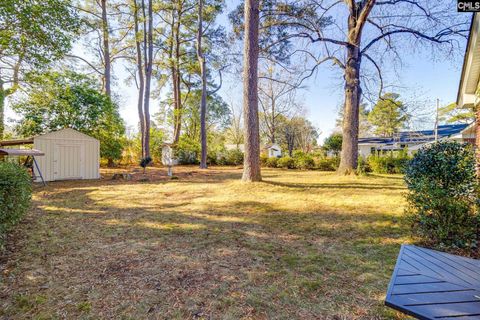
[{"x": 372, "y": 150}]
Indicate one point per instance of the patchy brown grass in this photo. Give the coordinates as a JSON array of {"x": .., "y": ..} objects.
[{"x": 300, "y": 245}]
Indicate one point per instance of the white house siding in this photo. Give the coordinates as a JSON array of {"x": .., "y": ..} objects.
[
  {"x": 274, "y": 151},
  {"x": 69, "y": 154},
  {"x": 365, "y": 150}
]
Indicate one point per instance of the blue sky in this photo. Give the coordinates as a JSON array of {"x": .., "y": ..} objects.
[{"x": 420, "y": 76}]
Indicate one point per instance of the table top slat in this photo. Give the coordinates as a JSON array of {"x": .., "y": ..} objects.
[
  {"x": 429, "y": 284},
  {"x": 435, "y": 297}
]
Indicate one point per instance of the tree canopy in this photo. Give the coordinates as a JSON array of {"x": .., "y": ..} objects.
[
  {"x": 333, "y": 143},
  {"x": 452, "y": 113},
  {"x": 33, "y": 33},
  {"x": 67, "y": 99},
  {"x": 388, "y": 115}
]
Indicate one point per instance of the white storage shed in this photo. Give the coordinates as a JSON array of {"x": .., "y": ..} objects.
[{"x": 69, "y": 155}]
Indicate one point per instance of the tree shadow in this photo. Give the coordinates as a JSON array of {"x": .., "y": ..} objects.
[
  {"x": 247, "y": 258},
  {"x": 347, "y": 185}
]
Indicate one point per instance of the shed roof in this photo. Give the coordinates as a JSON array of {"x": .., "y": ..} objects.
[{"x": 60, "y": 132}]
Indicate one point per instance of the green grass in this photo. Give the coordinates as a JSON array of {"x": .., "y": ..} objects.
[{"x": 300, "y": 245}]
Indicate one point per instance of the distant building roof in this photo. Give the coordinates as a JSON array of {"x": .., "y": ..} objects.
[
  {"x": 272, "y": 145},
  {"x": 417, "y": 136}
]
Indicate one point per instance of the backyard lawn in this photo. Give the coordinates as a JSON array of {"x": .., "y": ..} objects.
[{"x": 300, "y": 245}]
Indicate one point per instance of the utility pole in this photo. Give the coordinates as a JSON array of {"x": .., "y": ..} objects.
[{"x": 436, "y": 120}]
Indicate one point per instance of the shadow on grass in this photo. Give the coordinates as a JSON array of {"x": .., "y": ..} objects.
[
  {"x": 347, "y": 185},
  {"x": 247, "y": 259}
]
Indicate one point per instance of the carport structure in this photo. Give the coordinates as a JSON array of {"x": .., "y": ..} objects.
[{"x": 29, "y": 153}]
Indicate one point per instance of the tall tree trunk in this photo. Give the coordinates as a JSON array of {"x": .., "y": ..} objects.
[
  {"x": 359, "y": 12},
  {"x": 177, "y": 117},
  {"x": 106, "y": 50},
  {"x": 273, "y": 120},
  {"x": 141, "y": 78},
  {"x": 251, "y": 166},
  {"x": 148, "y": 63},
  {"x": 203, "y": 103},
  {"x": 349, "y": 155},
  {"x": 177, "y": 82}
]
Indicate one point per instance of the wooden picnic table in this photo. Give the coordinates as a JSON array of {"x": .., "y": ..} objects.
[{"x": 429, "y": 284}]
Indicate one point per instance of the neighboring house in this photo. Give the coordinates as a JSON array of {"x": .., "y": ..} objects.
[
  {"x": 414, "y": 140},
  {"x": 469, "y": 88},
  {"x": 274, "y": 150}
]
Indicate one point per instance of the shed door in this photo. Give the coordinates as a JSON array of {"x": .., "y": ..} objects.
[{"x": 68, "y": 161}]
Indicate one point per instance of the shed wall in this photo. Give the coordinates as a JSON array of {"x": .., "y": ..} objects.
[{"x": 68, "y": 151}]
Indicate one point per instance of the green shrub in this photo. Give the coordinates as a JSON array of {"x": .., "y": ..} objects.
[
  {"x": 272, "y": 162},
  {"x": 211, "y": 157},
  {"x": 443, "y": 195},
  {"x": 263, "y": 159},
  {"x": 362, "y": 166},
  {"x": 235, "y": 157},
  {"x": 298, "y": 154},
  {"x": 231, "y": 158},
  {"x": 327, "y": 164},
  {"x": 187, "y": 157},
  {"x": 187, "y": 151},
  {"x": 379, "y": 164},
  {"x": 388, "y": 164},
  {"x": 286, "y": 163},
  {"x": 304, "y": 162},
  {"x": 15, "y": 195}
]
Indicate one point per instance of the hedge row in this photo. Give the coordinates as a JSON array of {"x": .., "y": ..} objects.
[
  {"x": 301, "y": 161},
  {"x": 376, "y": 164},
  {"x": 15, "y": 195},
  {"x": 387, "y": 164}
]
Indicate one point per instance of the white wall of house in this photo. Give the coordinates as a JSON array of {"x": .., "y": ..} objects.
[
  {"x": 365, "y": 150},
  {"x": 69, "y": 155},
  {"x": 275, "y": 151}
]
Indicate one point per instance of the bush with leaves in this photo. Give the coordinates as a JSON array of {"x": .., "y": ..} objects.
[
  {"x": 15, "y": 195},
  {"x": 263, "y": 159},
  {"x": 212, "y": 157},
  {"x": 187, "y": 151},
  {"x": 388, "y": 164},
  {"x": 272, "y": 162},
  {"x": 327, "y": 164},
  {"x": 304, "y": 162},
  {"x": 443, "y": 203},
  {"x": 362, "y": 167},
  {"x": 286, "y": 163},
  {"x": 231, "y": 158}
]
